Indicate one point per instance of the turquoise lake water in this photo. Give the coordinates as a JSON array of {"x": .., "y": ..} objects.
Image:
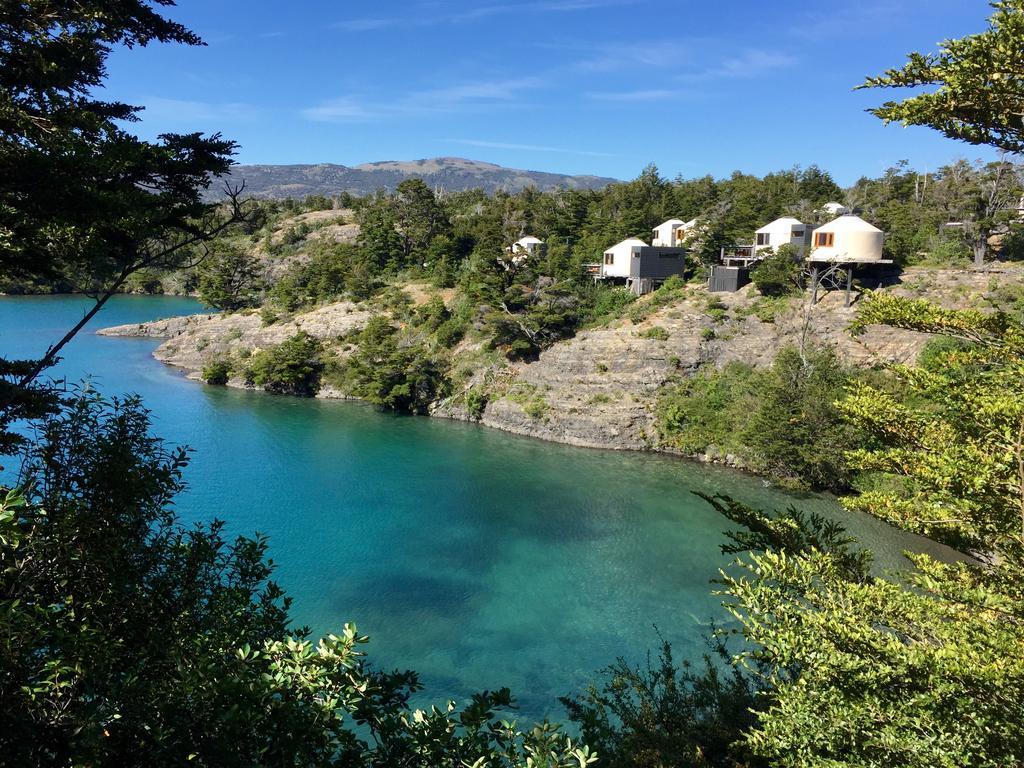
[{"x": 479, "y": 558}]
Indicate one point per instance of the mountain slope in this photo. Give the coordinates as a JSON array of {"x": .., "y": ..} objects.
[{"x": 451, "y": 174}]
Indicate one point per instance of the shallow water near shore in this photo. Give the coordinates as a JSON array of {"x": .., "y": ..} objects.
[{"x": 478, "y": 558}]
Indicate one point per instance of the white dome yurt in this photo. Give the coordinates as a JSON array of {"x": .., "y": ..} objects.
[{"x": 847, "y": 239}]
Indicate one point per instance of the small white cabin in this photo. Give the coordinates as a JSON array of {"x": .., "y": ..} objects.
[
  {"x": 665, "y": 233},
  {"x": 525, "y": 248},
  {"x": 784, "y": 231},
  {"x": 672, "y": 233},
  {"x": 529, "y": 245},
  {"x": 617, "y": 259},
  {"x": 835, "y": 209},
  {"x": 847, "y": 239}
]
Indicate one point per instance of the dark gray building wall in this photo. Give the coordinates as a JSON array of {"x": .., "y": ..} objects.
[
  {"x": 657, "y": 263},
  {"x": 728, "y": 278}
]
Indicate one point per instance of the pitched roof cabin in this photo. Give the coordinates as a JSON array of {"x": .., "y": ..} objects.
[
  {"x": 529, "y": 244},
  {"x": 784, "y": 231},
  {"x": 672, "y": 233},
  {"x": 847, "y": 239},
  {"x": 665, "y": 233},
  {"x": 617, "y": 259},
  {"x": 642, "y": 267},
  {"x": 835, "y": 209}
]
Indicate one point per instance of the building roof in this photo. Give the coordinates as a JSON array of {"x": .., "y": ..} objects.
[
  {"x": 628, "y": 241},
  {"x": 834, "y": 206},
  {"x": 786, "y": 222},
  {"x": 673, "y": 222},
  {"x": 529, "y": 239},
  {"x": 848, "y": 223}
]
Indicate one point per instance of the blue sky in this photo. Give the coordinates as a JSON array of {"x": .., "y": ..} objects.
[{"x": 572, "y": 86}]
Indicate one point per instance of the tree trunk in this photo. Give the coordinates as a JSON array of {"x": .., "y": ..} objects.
[{"x": 980, "y": 249}]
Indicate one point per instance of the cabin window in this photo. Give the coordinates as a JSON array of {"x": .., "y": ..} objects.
[
  {"x": 762, "y": 238},
  {"x": 668, "y": 255},
  {"x": 798, "y": 233},
  {"x": 824, "y": 239},
  {"x": 609, "y": 258}
]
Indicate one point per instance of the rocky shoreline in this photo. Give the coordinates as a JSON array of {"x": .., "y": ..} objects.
[{"x": 599, "y": 388}]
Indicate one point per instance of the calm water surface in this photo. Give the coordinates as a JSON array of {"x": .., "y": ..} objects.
[{"x": 479, "y": 558}]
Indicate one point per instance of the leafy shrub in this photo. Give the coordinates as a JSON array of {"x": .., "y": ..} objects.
[
  {"x": 768, "y": 308},
  {"x": 475, "y": 402},
  {"x": 778, "y": 273},
  {"x": 655, "y": 332},
  {"x": 392, "y": 372},
  {"x": 781, "y": 422},
  {"x": 937, "y": 350},
  {"x": 605, "y": 303},
  {"x": 217, "y": 371},
  {"x": 268, "y": 315},
  {"x": 1012, "y": 246},
  {"x": 230, "y": 278},
  {"x": 669, "y": 714},
  {"x": 292, "y": 367}
]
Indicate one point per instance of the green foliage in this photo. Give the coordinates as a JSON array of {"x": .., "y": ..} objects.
[
  {"x": 530, "y": 399},
  {"x": 390, "y": 371},
  {"x": 669, "y": 292},
  {"x": 604, "y": 303},
  {"x": 668, "y": 714},
  {"x": 655, "y": 332},
  {"x": 217, "y": 371},
  {"x": 332, "y": 272},
  {"x": 230, "y": 279},
  {"x": 1012, "y": 246},
  {"x": 532, "y": 316},
  {"x": 292, "y": 367},
  {"x": 795, "y": 431},
  {"x": 706, "y": 410},
  {"x": 475, "y": 401},
  {"x": 779, "y": 272},
  {"x": 781, "y": 422},
  {"x": 85, "y": 203},
  {"x": 937, "y": 351},
  {"x": 923, "y": 670},
  {"x": 978, "y": 98},
  {"x": 130, "y": 639}
]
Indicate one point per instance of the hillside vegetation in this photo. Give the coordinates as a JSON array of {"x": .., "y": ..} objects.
[{"x": 410, "y": 302}]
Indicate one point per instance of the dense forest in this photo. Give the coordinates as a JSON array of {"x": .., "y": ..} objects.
[{"x": 129, "y": 638}]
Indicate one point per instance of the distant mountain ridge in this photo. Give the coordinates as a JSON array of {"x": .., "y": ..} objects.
[{"x": 450, "y": 174}]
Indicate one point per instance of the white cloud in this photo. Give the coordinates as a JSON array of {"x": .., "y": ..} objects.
[
  {"x": 454, "y": 98},
  {"x": 750, "y": 63},
  {"x": 478, "y": 13},
  {"x": 341, "y": 110},
  {"x": 609, "y": 57},
  {"x": 650, "y": 94}
]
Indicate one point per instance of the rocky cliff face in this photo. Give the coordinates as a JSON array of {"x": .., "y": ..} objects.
[{"x": 599, "y": 388}]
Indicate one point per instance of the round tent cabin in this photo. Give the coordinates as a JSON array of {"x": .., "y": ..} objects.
[{"x": 848, "y": 239}]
